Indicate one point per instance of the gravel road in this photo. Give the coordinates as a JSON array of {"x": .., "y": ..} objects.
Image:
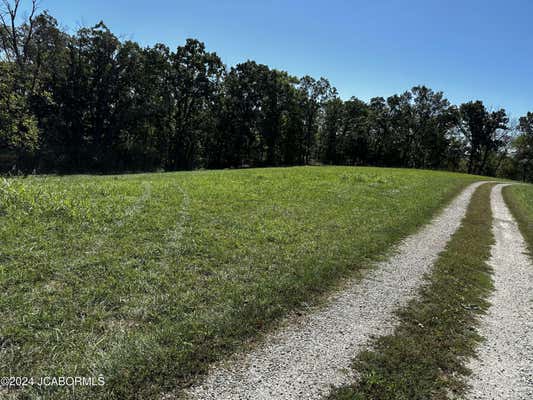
[
  {"x": 504, "y": 369},
  {"x": 313, "y": 352}
]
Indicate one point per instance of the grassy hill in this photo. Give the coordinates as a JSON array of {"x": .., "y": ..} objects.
[{"x": 147, "y": 278}]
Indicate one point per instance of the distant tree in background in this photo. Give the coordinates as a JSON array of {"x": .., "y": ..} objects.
[
  {"x": 484, "y": 132},
  {"x": 195, "y": 79},
  {"x": 331, "y": 131},
  {"x": 523, "y": 145},
  {"x": 314, "y": 94},
  {"x": 380, "y": 133},
  {"x": 355, "y": 147},
  {"x": 433, "y": 120},
  {"x": 19, "y": 134},
  {"x": 89, "y": 102},
  {"x": 243, "y": 113}
]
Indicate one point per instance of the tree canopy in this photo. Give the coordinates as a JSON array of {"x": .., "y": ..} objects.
[{"x": 90, "y": 102}]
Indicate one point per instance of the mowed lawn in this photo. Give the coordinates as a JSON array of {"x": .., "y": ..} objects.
[{"x": 145, "y": 279}]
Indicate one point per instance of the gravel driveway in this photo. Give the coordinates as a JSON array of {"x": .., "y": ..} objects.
[
  {"x": 313, "y": 352},
  {"x": 504, "y": 369}
]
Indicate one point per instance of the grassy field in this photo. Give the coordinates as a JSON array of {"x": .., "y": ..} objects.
[
  {"x": 519, "y": 198},
  {"x": 145, "y": 279}
]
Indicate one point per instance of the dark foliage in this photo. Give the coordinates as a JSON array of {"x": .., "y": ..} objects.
[{"x": 89, "y": 102}]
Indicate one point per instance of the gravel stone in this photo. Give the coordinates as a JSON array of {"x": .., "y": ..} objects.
[
  {"x": 311, "y": 353},
  {"x": 504, "y": 369}
]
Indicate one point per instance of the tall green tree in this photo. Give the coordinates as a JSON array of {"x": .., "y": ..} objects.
[
  {"x": 292, "y": 126},
  {"x": 380, "y": 133},
  {"x": 315, "y": 93},
  {"x": 354, "y": 146},
  {"x": 434, "y": 119},
  {"x": 19, "y": 133},
  {"x": 523, "y": 145},
  {"x": 242, "y": 114},
  {"x": 331, "y": 130},
  {"x": 483, "y": 132},
  {"x": 195, "y": 78},
  {"x": 278, "y": 92},
  {"x": 402, "y": 139}
]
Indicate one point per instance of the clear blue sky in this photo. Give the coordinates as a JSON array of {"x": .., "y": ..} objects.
[{"x": 470, "y": 49}]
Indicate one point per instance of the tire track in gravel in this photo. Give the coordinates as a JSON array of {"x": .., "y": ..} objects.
[
  {"x": 313, "y": 352},
  {"x": 504, "y": 369}
]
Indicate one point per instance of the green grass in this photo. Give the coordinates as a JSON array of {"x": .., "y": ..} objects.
[
  {"x": 425, "y": 356},
  {"x": 519, "y": 199},
  {"x": 148, "y": 278}
]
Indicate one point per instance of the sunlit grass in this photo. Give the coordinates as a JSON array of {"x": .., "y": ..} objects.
[
  {"x": 147, "y": 278},
  {"x": 519, "y": 198}
]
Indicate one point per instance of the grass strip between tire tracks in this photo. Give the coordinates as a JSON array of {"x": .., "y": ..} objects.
[{"x": 424, "y": 358}]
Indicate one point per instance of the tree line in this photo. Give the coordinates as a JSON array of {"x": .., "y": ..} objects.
[{"x": 90, "y": 102}]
